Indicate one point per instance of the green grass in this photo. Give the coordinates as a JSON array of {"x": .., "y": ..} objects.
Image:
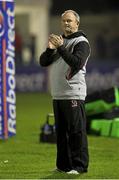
[{"x": 29, "y": 159}]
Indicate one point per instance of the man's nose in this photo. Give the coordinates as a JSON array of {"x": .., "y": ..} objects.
[{"x": 66, "y": 22}]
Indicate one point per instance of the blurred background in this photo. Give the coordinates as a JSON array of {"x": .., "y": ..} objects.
[{"x": 36, "y": 19}]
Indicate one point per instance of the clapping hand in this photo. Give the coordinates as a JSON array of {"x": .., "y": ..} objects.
[{"x": 55, "y": 41}]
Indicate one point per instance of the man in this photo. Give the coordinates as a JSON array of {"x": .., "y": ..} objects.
[{"x": 68, "y": 55}]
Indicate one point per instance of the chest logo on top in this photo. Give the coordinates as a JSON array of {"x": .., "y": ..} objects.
[{"x": 74, "y": 103}]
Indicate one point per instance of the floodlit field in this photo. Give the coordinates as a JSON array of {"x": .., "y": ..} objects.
[{"x": 24, "y": 157}]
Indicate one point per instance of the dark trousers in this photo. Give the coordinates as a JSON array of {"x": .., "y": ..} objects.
[{"x": 72, "y": 146}]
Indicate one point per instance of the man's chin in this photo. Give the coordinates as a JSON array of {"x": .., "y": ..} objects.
[
  {"x": 68, "y": 31},
  {"x": 67, "y": 28}
]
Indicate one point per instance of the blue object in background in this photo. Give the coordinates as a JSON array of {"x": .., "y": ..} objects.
[{"x": 7, "y": 70}]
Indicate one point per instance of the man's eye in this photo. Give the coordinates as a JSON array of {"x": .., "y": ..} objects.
[{"x": 68, "y": 20}]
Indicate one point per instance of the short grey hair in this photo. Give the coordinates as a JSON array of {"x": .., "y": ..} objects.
[{"x": 74, "y": 12}]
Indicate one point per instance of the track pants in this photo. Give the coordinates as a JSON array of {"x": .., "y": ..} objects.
[{"x": 72, "y": 146}]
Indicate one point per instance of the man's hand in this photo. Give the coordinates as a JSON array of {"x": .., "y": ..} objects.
[
  {"x": 50, "y": 45},
  {"x": 56, "y": 40}
]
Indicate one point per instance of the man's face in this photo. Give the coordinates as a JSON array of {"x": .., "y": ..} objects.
[{"x": 69, "y": 23}]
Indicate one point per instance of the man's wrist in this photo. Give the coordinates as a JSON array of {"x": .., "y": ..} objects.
[
  {"x": 61, "y": 48},
  {"x": 50, "y": 51}
]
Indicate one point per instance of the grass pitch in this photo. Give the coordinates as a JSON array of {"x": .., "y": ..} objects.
[{"x": 23, "y": 157}]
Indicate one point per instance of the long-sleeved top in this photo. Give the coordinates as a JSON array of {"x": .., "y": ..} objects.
[{"x": 68, "y": 67}]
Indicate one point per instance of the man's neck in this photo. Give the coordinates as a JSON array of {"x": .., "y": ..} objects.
[{"x": 69, "y": 33}]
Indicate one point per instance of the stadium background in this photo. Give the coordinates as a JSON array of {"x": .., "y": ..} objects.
[
  {"x": 35, "y": 20},
  {"x": 23, "y": 156}
]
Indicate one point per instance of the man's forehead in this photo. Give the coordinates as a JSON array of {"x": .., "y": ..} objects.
[{"x": 68, "y": 15}]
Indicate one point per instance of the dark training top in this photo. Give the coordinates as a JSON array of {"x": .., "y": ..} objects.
[{"x": 68, "y": 67}]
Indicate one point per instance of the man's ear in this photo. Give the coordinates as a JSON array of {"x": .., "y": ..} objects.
[{"x": 78, "y": 23}]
